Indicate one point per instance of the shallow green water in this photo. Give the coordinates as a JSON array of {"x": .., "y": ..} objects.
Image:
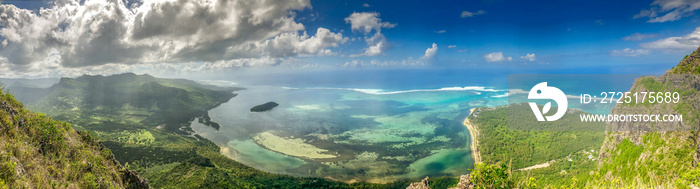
[{"x": 377, "y": 136}]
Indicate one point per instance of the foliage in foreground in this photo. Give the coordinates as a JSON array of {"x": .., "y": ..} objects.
[{"x": 39, "y": 152}]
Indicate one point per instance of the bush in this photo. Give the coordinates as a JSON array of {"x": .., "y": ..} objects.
[{"x": 492, "y": 176}]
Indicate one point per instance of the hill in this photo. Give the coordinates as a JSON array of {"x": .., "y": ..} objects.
[
  {"x": 39, "y": 152},
  {"x": 645, "y": 154},
  {"x": 127, "y": 98}
]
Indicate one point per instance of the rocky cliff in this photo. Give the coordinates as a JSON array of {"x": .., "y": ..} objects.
[{"x": 657, "y": 153}]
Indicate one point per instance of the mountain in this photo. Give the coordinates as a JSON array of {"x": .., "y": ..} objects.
[
  {"x": 39, "y": 152},
  {"x": 127, "y": 98},
  {"x": 645, "y": 154}
]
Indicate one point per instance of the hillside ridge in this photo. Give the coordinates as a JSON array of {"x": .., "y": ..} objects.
[{"x": 41, "y": 152}]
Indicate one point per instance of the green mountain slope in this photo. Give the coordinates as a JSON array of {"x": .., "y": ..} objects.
[
  {"x": 39, "y": 152},
  {"x": 665, "y": 154},
  {"x": 129, "y": 99}
]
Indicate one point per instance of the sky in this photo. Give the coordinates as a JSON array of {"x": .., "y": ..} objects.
[{"x": 69, "y": 38}]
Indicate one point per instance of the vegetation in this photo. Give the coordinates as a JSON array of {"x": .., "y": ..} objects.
[
  {"x": 657, "y": 158},
  {"x": 39, "y": 152},
  {"x": 663, "y": 159},
  {"x": 264, "y": 107},
  {"x": 689, "y": 65},
  {"x": 497, "y": 175},
  {"x": 500, "y": 143},
  {"x": 574, "y": 171},
  {"x": 130, "y": 99}
]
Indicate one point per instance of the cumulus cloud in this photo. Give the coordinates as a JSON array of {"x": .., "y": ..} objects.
[
  {"x": 441, "y": 31},
  {"x": 629, "y": 52},
  {"x": 376, "y": 49},
  {"x": 451, "y": 46},
  {"x": 467, "y": 14},
  {"x": 366, "y": 22},
  {"x": 496, "y": 57},
  {"x": 78, "y": 33},
  {"x": 365, "y": 5},
  {"x": 639, "y": 37},
  {"x": 430, "y": 52},
  {"x": 668, "y": 10},
  {"x": 291, "y": 44},
  {"x": 688, "y": 42},
  {"x": 528, "y": 57}
]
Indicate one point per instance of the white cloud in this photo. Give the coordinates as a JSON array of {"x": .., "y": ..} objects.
[
  {"x": 462, "y": 50},
  {"x": 77, "y": 33},
  {"x": 629, "y": 52},
  {"x": 441, "y": 31},
  {"x": 451, "y": 46},
  {"x": 639, "y": 37},
  {"x": 496, "y": 57},
  {"x": 375, "y": 49},
  {"x": 365, "y": 5},
  {"x": 466, "y": 14},
  {"x": 426, "y": 59},
  {"x": 430, "y": 52},
  {"x": 669, "y": 10},
  {"x": 366, "y": 22},
  {"x": 688, "y": 42},
  {"x": 290, "y": 44},
  {"x": 528, "y": 57}
]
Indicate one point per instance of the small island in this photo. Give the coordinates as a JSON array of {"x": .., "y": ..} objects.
[{"x": 264, "y": 107}]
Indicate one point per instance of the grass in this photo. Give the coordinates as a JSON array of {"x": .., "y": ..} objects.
[{"x": 39, "y": 152}]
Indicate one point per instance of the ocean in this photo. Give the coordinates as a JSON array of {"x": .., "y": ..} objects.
[{"x": 371, "y": 125}]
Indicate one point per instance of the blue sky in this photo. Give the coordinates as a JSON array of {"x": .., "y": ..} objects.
[
  {"x": 560, "y": 33},
  {"x": 641, "y": 37}
]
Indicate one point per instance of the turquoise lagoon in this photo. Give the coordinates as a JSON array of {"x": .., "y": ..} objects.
[
  {"x": 374, "y": 135},
  {"x": 377, "y": 127}
]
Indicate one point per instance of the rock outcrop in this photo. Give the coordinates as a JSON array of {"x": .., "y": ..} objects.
[
  {"x": 464, "y": 183},
  {"x": 423, "y": 184}
]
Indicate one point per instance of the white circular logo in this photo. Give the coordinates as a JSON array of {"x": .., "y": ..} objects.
[{"x": 542, "y": 91}]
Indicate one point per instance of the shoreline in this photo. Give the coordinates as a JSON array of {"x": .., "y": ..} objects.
[{"x": 473, "y": 133}]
